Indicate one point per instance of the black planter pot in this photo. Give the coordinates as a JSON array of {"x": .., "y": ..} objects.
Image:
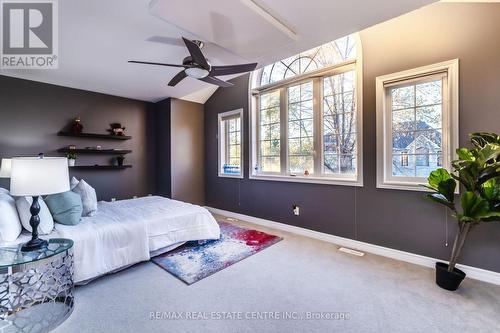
[{"x": 448, "y": 280}]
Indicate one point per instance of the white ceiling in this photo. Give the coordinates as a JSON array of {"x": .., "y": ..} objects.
[{"x": 97, "y": 37}]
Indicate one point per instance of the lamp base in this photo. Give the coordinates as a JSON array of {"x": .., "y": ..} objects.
[{"x": 34, "y": 244}]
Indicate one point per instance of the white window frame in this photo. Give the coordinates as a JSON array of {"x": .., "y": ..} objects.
[
  {"x": 450, "y": 127},
  {"x": 334, "y": 179},
  {"x": 222, "y": 136}
]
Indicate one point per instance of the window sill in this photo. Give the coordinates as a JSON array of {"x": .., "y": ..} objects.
[
  {"x": 310, "y": 180},
  {"x": 231, "y": 175}
]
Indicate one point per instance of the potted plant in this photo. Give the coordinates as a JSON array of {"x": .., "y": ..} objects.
[
  {"x": 477, "y": 170},
  {"x": 71, "y": 159}
]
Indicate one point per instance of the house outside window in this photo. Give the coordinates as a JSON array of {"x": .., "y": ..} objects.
[
  {"x": 305, "y": 116},
  {"x": 230, "y": 144},
  {"x": 417, "y": 124}
]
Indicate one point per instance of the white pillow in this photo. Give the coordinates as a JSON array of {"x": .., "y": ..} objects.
[
  {"x": 10, "y": 225},
  {"x": 4, "y": 191},
  {"x": 46, "y": 221},
  {"x": 88, "y": 195}
]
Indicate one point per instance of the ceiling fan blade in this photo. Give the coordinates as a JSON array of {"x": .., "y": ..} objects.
[
  {"x": 166, "y": 40},
  {"x": 232, "y": 69},
  {"x": 157, "y": 63},
  {"x": 178, "y": 78},
  {"x": 216, "y": 81},
  {"x": 196, "y": 53}
]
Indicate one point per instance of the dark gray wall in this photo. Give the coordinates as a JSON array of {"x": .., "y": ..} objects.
[
  {"x": 397, "y": 219},
  {"x": 160, "y": 139},
  {"x": 32, "y": 113}
]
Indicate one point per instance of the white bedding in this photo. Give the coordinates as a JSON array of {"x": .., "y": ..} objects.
[{"x": 123, "y": 233}]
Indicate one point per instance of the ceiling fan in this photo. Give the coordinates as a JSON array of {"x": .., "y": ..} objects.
[{"x": 198, "y": 67}]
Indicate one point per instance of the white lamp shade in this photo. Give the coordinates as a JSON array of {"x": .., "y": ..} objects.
[
  {"x": 33, "y": 176},
  {"x": 5, "y": 168}
]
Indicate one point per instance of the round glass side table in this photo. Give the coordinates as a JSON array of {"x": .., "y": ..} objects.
[{"x": 36, "y": 288}]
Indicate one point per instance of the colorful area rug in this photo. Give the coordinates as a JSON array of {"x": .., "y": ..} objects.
[{"x": 194, "y": 261}]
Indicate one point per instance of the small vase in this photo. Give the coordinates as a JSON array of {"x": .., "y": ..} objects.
[
  {"x": 71, "y": 162},
  {"x": 448, "y": 280}
]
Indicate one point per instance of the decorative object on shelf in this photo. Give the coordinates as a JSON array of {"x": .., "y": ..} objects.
[
  {"x": 5, "y": 168},
  {"x": 36, "y": 288},
  {"x": 36, "y": 176},
  {"x": 478, "y": 171},
  {"x": 306, "y": 173},
  {"x": 117, "y": 129},
  {"x": 71, "y": 159},
  {"x": 77, "y": 127},
  {"x": 120, "y": 160}
]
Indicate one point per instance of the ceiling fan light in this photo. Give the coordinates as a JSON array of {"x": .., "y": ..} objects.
[{"x": 196, "y": 72}]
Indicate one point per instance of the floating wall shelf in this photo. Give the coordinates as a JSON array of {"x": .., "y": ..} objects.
[
  {"x": 100, "y": 167},
  {"x": 95, "y": 151},
  {"x": 95, "y": 136}
]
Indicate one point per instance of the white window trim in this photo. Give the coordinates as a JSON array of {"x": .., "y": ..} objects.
[
  {"x": 450, "y": 127},
  {"x": 222, "y": 135},
  {"x": 337, "y": 179}
]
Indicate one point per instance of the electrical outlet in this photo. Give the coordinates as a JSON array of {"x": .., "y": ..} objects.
[{"x": 296, "y": 210}]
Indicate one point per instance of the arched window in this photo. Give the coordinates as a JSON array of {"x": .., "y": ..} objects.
[
  {"x": 306, "y": 116},
  {"x": 332, "y": 53}
]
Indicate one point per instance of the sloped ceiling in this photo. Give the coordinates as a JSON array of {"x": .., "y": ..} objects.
[{"x": 97, "y": 37}]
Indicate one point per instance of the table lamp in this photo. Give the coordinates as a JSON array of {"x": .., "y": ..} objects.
[
  {"x": 5, "y": 168},
  {"x": 36, "y": 176}
]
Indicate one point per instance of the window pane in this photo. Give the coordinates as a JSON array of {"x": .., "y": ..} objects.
[
  {"x": 268, "y": 116},
  {"x": 417, "y": 121},
  {"x": 306, "y": 109},
  {"x": 269, "y": 100},
  {"x": 269, "y": 144},
  {"x": 339, "y": 124},
  {"x": 301, "y": 164},
  {"x": 230, "y": 141},
  {"x": 403, "y": 98},
  {"x": 300, "y": 128},
  {"x": 402, "y": 141},
  {"x": 271, "y": 164},
  {"x": 429, "y": 117},
  {"x": 403, "y": 120},
  {"x": 403, "y": 165},
  {"x": 348, "y": 164},
  {"x": 331, "y": 164},
  {"x": 428, "y": 93},
  {"x": 294, "y": 129}
]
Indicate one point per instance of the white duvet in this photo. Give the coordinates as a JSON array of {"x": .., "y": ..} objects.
[{"x": 123, "y": 233}]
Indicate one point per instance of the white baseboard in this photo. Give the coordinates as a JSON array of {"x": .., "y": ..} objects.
[{"x": 472, "y": 272}]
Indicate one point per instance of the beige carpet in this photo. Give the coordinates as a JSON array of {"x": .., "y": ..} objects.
[{"x": 293, "y": 278}]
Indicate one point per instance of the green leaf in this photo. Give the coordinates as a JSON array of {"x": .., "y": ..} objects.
[
  {"x": 447, "y": 188},
  {"x": 488, "y": 153},
  {"x": 491, "y": 190},
  {"x": 441, "y": 199},
  {"x": 473, "y": 206},
  {"x": 437, "y": 176},
  {"x": 480, "y": 139},
  {"x": 465, "y": 154}
]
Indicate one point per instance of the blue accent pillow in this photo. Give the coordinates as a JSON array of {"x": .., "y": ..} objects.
[{"x": 66, "y": 208}]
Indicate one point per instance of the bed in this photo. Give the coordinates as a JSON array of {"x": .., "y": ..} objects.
[{"x": 126, "y": 232}]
